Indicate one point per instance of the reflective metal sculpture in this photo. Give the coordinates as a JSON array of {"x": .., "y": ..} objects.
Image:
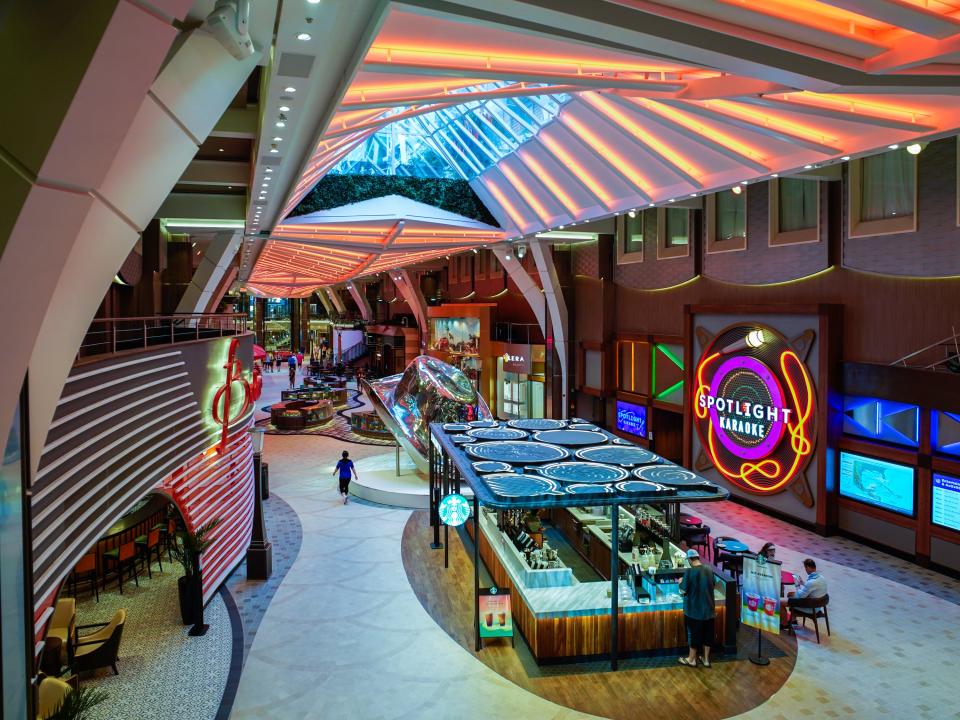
[{"x": 429, "y": 390}]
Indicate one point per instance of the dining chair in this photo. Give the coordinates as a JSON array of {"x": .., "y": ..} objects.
[
  {"x": 812, "y": 608},
  {"x": 100, "y": 648}
]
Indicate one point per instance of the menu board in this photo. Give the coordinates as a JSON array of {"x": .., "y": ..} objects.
[
  {"x": 946, "y": 501},
  {"x": 875, "y": 482},
  {"x": 632, "y": 418},
  {"x": 496, "y": 619}
]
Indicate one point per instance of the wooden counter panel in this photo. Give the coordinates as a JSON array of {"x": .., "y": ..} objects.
[{"x": 586, "y": 635}]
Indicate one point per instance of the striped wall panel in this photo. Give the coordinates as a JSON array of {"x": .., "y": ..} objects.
[{"x": 129, "y": 426}]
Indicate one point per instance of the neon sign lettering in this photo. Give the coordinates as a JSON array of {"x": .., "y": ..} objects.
[{"x": 754, "y": 408}]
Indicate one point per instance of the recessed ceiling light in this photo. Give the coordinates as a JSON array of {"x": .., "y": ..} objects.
[
  {"x": 632, "y": 213},
  {"x": 893, "y": 147},
  {"x": 693, "y": 194},
  {"x": 562, "y": 227},
  {"x": 269, "y": 170},
  {"x": 284, "y": 108},
  {"x": 229, "y": 187},
  {"x": 914, "y": 149},
  {"x": 278, "y": 139},
  {"x": 314, "y": 2},
  {"x": 265, "y": 185},
  {"x": 736, "y": 189},
  {"x": 775, "y": 175},
  {"x": 845, "y": 157},
  {"x": 219, "y": 149},
  {"x": 290, "y": 89},
  {"x": 274, "y": 150},
  {"x": 672, "y": 200},
  {"x": 743, "y": 182},
  {"x": 303, "y": 36},
  {"x": 807, "y": 167},
  {"x": 281, "y": 123}
]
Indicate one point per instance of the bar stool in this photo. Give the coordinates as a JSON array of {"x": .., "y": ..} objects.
[
  {"x": 86, "y": 570},
  {"x": 168, "y": 536},
  {"x": 120, "y": 558},
  {"x": 148, "y": 545}
]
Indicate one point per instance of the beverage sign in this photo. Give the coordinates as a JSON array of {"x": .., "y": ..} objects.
[
  {"x": 754, "y": 408},
  {"x": 760, "y": 594},
  {"x": 632, "y": 418},
  {"x": 496, "y": 619}
]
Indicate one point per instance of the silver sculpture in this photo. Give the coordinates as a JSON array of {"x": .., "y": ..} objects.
[{"x": 428, "y": 390}]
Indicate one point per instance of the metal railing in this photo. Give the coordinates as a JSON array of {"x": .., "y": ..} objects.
[
  {"x": 942, "y": 355},
  {"x": 108, "y": 336},
  {"x": 353, "y": 353}
]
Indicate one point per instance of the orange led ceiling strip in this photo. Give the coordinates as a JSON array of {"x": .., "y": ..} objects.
[
  {"x": 525, "y": 193},
  {"x": 608, "y": 151},
  {"x": 511, "y": 210},
  {"x": 549, "y": 181},
  {"x": 573, "y": 165},
  {"x": 770, "y": 120},
  {"x": 655, "y": 144}
]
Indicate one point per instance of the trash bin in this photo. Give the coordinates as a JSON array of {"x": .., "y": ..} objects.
[{"x": 264, "y": 481}]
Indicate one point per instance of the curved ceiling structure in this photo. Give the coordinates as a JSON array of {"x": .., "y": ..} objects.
[
  {"x": 638, "y": 102},
  {"x": 332, "y": 246}
]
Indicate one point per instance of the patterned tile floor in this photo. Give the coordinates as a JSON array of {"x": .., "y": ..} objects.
[
  {"x": 345, "y": 636},
  {"x": 164, "y": 673}
]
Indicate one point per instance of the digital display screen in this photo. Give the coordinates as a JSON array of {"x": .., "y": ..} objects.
[
  {"x": 632, "y": 418},
  {"x": 876, "y": 482},
  {"x": 946, "y": 501}
]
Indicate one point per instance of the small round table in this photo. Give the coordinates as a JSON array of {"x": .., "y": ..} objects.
[
  {"x": 733, "y": 546},
  {"x": 690, "y": 520}
]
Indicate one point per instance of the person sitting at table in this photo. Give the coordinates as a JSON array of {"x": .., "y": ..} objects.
[{"x": 813, "y": 588}]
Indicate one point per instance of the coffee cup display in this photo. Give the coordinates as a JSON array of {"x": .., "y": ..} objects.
[
  {"x": 488, "y": 618},
  {"x": 769, "y": 605},
  {"x": 501, "y": 619},
  {"x": 753, "y": 602}
]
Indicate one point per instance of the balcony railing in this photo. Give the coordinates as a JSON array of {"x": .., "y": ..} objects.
[
  {"x": 518, "y": 333},
  {"x": 108, "y": 336}
]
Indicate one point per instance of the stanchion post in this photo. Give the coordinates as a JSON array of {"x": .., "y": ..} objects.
[
  {"x": 476, "y": 570},
  {"x": 614, "y": 582}
]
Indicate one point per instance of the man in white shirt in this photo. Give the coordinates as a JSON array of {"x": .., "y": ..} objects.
[{"x": 814, "y": 586}]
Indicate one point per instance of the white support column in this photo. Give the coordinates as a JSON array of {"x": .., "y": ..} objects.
[
  {"x": 409, "y": 286},
  {"x": 325, "y": 301},
  {"x": 525, "y": 284},
  {"x": 337, "y": 301},
  {"x": 357, "y": 292},
  {"x": 555, "y": 305},
  {"x": 181, "y": 107},
  {"x": 210, "y": 272}
]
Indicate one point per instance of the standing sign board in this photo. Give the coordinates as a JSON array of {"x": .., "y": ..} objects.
[
  {"x": 760, "y": 604},
  {"x": 496, "y": 620}
]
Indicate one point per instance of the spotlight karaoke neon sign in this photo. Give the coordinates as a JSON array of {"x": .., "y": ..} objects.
[{"x": 754, "y": 408}]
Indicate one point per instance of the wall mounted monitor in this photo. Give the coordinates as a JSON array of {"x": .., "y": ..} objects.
[
  {"x": 876, "y": 482},
  {"x": 632, "y": 418},
  {"x": 946, "y": 501}
]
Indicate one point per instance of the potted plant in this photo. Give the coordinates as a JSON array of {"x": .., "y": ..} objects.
[
  {"x": 77, "y": 705},
  {"x": 187, "y": 552}
]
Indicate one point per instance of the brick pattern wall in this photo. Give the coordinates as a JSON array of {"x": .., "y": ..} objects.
[
  {"x": 759, "y": 263},
  {"x": 653, "y": 274},
  {"x": 585, "y": 260},
  {"x": 934, "y": 249}
]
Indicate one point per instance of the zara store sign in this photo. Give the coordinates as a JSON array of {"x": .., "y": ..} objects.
[{"x": 754, "y": 407}]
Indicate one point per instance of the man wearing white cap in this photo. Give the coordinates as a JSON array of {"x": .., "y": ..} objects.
[{"x": 699, "y": 609}]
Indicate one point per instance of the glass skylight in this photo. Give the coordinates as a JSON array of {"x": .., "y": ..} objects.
[{"x": 460, "y": 141}]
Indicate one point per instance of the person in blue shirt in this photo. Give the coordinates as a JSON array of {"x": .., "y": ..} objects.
[{"x": 345, "y": 467}]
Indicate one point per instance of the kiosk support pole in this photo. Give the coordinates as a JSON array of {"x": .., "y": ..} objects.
[
  {"x": 614, "y": 582},
  {"x": 446, "y": 546},
  {"x": 759, "y": 659},
  {"x": 476, "y": 570}
]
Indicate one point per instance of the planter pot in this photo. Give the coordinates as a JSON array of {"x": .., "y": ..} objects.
[{"x": 188, "y": 591}]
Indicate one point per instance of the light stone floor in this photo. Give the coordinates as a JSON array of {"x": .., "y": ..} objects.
[{"x": 345, "y": 637}]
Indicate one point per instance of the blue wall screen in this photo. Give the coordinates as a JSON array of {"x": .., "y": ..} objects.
[
  {"x": 632, "y": 418},
  {"x": 876, "y": 482}
]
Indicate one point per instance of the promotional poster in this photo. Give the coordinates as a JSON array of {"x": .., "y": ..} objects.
[
  {"x": 760, "y": 606},
  {"x": 496, "y": 620}
]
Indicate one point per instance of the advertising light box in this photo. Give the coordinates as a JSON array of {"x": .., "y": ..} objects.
[
  {"x": 946, "y": 501},
  {"x": 632, "y": 418},
  {"x": 875, "y": 482}
]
